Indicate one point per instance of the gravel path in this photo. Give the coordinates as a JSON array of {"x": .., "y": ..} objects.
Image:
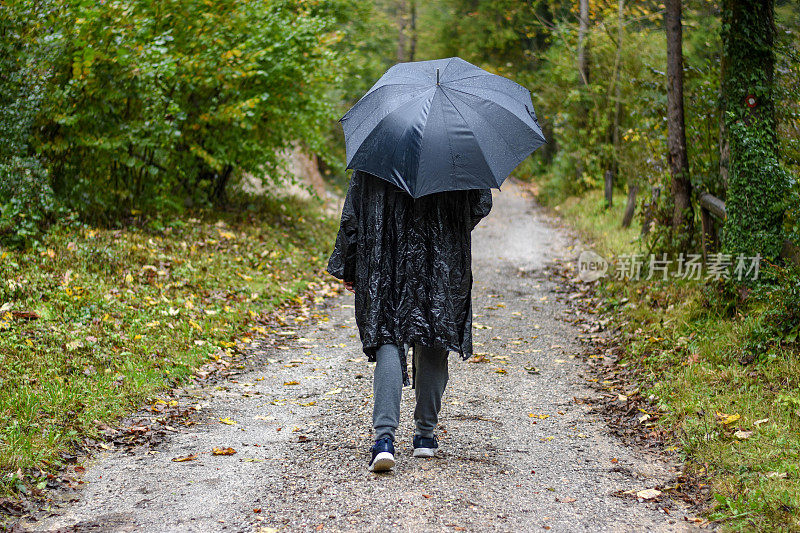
[{"x": 519, "y": 449}]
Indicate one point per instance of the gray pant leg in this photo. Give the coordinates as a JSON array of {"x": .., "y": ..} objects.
[
  {"x": 387, "y": 388},
  {"x": 431, "y": 380}
]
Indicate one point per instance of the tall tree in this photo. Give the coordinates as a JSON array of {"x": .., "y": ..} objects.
[
  {"x": 412, "y": 47},
  {"x": 757, "y": 184},
  {"x": 583, "y": 70},
  {"x": 617, "y": 87},
  {"x": 583, "y": 26},
  {"x": 682, "y": 216},
  {"x": 402, "y": 23}
]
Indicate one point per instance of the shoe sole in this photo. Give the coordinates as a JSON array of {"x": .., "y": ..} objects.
[
  {"x": 383, "y": 461},
  {"x": 424, "y": 452}
]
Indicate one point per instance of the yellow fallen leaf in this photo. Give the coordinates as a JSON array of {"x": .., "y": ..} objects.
[
  {"x": 222, "y": 451},
  {"x": 540, "y": 417},
  {"x": 185, "y": 458},
  {"x": 334, "y": 391},
  {"x": 291, "y": 383},
  {"x": 728, "y": 419},
  {"x": 500, "y": 371},
  {"x": 307, "y": 404},
  {"x": 228, "y": 421}
]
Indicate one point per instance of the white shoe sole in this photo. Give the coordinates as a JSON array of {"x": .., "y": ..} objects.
[
  {"x": 424, "y": 452},
  {"x": 383, "y": 461}
]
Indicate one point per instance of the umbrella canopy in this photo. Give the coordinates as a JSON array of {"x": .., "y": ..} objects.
[{"x": 441, "y": 125}]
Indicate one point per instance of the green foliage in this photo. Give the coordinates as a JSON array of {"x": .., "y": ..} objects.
[
  {"x": 758, "y": 184},
  {"x": 174, "y": 99},
  {"x": 128, "y": 106},
  {"x": 787, "y": 106},
  {"x": 779, "y": 323},
  {"x": 27, "y": 204}
]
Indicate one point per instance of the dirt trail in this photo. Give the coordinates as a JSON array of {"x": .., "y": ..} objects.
[{"x": 302, "y": 449}]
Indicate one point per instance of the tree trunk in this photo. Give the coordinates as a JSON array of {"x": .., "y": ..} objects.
[
  {"x": 412, "y": 47},
  {"x": 617, "y": 86},
  {"x": 608, "y": 178},
  {"x": 682, "y": 215},
  {"x": 630, "y": 207},
  {"x": 758, "y": 184},
  {"x": 583, "y": 70},
  {"x": 401, "y": 30},
  {"x": 583, "y": 26}
]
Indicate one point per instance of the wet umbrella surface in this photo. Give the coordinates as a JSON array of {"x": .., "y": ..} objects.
[{"x": 441, "y": 125}]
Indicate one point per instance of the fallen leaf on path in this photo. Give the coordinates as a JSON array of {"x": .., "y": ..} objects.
[
  {"x": 291, "y": 383},
  {"x": 742, "y": 435},
  {"x": 648, "y": 494},
  {"x": 540, "y": 417},
  {"x": 185, "y": 458},
  {"x": 500, "y": 371},
  {"x": 568, "y": 500},
  {"x": 228, "y": 421},
  {"x": 334, "y": 391},
  {"x": 222, "y": 451}
]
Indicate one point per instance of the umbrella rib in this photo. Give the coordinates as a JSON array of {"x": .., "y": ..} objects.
[
  {"x": 409, "y": 125},
  {"x": 469, "y": 77},
  {"x": 474, "y": 137},
  {"x": 487, "y": 89},
  {"x": 447, "y": 66},
  {"x": 366, "y": 116},
  {"x": 512, "y": 114},
  {"x": 500, "y": 132}
]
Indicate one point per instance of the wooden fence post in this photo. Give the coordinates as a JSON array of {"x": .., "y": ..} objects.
[{"x": 609, "y": 179}]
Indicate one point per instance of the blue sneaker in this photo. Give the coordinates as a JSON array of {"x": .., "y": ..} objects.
[
  {"x": 382, "y": 455},
  {"x": 425, "y": 446}
]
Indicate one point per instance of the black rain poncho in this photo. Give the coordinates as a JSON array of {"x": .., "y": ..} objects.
[{"x": 410, "y": 262}]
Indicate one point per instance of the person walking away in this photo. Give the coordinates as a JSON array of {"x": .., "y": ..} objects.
[{"x": 409, "y": 263}]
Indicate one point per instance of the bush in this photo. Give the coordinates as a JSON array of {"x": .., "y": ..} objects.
[
  {"x": 26, "y": 199},
  {"x": 175, "y": 99},
  {"x": 27, "y": 205}
]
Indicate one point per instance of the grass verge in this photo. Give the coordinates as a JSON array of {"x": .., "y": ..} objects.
[
  {"x": 93, "y": 321},
  {"x": 725, "y": 382}
]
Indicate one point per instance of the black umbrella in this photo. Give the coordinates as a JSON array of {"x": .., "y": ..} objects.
[{"x": 441, "y": 125}]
